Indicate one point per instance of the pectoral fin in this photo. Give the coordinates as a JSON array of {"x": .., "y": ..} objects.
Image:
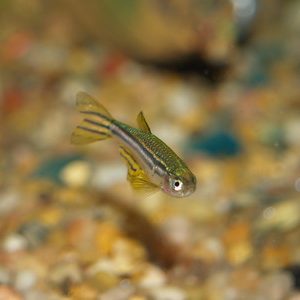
[
  {"x": 142, "y": 122},
  {"x": 136, "y": 175}
]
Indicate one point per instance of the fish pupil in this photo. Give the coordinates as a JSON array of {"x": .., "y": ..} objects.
[{"x": 177, "y": 183}]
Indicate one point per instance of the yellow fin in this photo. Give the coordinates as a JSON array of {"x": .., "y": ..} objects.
[
  {"x": 86, "y": 103},
  {"x": 95, "y": 126},
  {"x": 142, "y": 122},
  {"x": 136, "y": 175}
]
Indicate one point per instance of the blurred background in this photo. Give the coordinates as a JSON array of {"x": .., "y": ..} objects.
[{"x": 218, "y": 81}]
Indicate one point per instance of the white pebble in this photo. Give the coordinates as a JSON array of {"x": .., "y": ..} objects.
[
  {"x": 76, "y": 173},
  {"x": 152, "y": 278},
  {"x": 168, "y": 293},
  {"x": 25, "y": 280},
  {"x": 14, "y": 242},
  {"x": 276, "y": 286},
  {"x": 283, "y": 215},
  {"x": 292, "y": 128},
  {"x": 178, "y": 230},
  {"x": 8, "y": 201},
  {"x": 106, "y": 175}
]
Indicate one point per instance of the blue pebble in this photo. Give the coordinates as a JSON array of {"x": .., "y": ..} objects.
[{"x": 216, "y": 144}]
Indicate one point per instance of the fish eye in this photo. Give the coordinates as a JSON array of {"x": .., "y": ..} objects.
[{"x": 177, "y": 184}]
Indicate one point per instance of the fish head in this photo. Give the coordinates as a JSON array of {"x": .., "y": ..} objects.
[{"x": 180, "y": 184}]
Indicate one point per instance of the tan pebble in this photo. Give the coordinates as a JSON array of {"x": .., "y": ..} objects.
[
  {"x": 83, "y": 291},
  {"x": 239, "y": 252},
  {"x": 80, "y": 233},
  {"x": 105, "y": 238},
  {"x": 6, "y": 293},
  {"x": 129, "y": 247},
  {"x": 238, "y": 231},
  {"x": 210, "y": 250},
  {"x": 103, "y": 281},
  {"x": 152, "y": 277},
  {"x": 237, "y": 242},
  {"x": 284, "y": 215},
  {"x": 295, "y": 296},
  {"x": 137, "y": 297},
  {"x": 51, "y": 216},
  {"x": 275, "y": 255}
]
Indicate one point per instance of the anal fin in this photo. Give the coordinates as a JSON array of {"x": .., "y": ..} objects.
[{"x": 136, "y": 175}]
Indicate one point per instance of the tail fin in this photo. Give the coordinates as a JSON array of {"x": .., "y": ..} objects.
[{"x": 95, "y": 126}]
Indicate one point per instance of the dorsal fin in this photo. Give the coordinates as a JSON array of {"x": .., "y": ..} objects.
[{"x": 142, "y": 122}]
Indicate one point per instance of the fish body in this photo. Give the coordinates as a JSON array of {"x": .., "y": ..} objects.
[{"x": 151, "y": 163}]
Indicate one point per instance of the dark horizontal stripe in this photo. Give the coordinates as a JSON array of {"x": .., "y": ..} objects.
[
  {"x": 92, "y": 130},
  {"x": 96, "y": 123},
  {"x": 95, "y": 113},
  {"x": 135, "y": 142}
]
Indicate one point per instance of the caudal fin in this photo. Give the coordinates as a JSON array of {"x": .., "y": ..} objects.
[{"x": 96, "y": 124}]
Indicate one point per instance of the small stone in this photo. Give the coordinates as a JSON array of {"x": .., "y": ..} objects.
[
  {"x": 284, "y": 216},
  {"x": 83, "y": 291},
  {"x": 275, "y": 255},
  {"x": 4, "y": 276},
  {"x": 66, "y": 271},
  {"x": 107, "y": 175},
  {"x": 51, "y": 216},
  {"x": 120, "y": 292},
  {"x": 168, "y": 293},
  {"x": 276, "y": 286},
  {"x": 25, "y": 280},
  {"x": 34, "y": 232},
  {"x": 237, "y": 242},
  {"x": 295, "y": 296},
  {"x": 76, "y": 174},
  {"x": 106, "y": 235},
  {"x": 292, "y": 128},
  {"x": 152, "y": 277},
  {"x": 6, "y": 293},
  {"x": 210, "y": 250},
  {"x": 14, "y": 242},
  {"x": 103, "y": 281},
  {"x": 178, "y": 229},
  {"x": 8, "y": 201}
]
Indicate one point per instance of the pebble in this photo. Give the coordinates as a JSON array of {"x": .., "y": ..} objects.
[
  {"x": 8, "y": 201},
  {"x": 152, "y": 277},
  {"x": 83, "y": 291},
  {"x": 168, "y": 293},
  {"x": 122, "y": 292},
  {"x": 25, "y": 280},
  {"x": 5, "y": 276},
  {"x": 292, "y": 128},
  {"x": 276, "y": 286},
  {"x": 76, "y": 173},
  {"x": 107, "y": 175},
  {"x": 178, "y": 229},
  {"x": 6, "y": 293},
  {"x": 283, "y": 215},
  {"x": 14, "y": 242},
  {"x": 237, "y": 243},
  {"x": 34, "y": 232},
  {"x": 65, "y": 271}
]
